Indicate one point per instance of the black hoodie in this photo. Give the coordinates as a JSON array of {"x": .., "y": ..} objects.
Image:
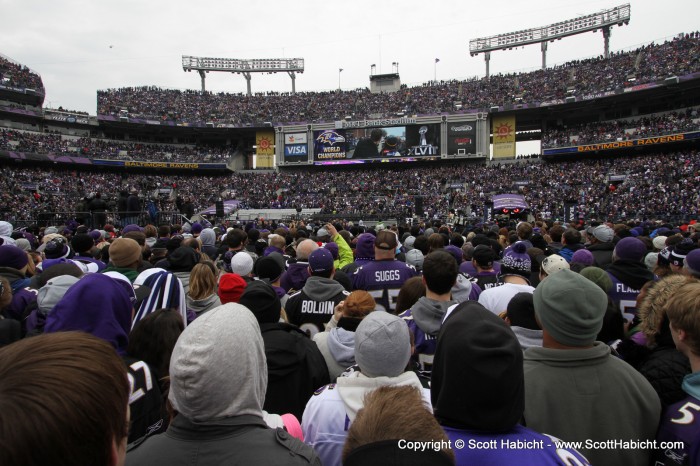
[{"x": 477, "y": 379}]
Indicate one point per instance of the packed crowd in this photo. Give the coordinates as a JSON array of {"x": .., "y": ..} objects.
[
  {"x": 622, "y": 130},
  {"x": 94, "y": 148},
  {"x": 332, "y": 343},
  {"x": 654, "y": 186},
  {"x": 647, "y": 64},
  {"x": 17, "y": 75}
]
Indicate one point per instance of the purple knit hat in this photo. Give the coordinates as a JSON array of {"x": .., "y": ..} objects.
[
  {"x": 583, "y": 256},
  {"x": 631, "y": 249},
  {"x": 365, "y": 246}
]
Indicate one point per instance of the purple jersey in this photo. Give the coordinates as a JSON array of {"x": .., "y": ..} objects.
[
  {"x": 383, "y": 280},
  {"x": 680, "y": 424},
  {"x": 521, "y": 446},
  {"x": 623, "y": 297}
]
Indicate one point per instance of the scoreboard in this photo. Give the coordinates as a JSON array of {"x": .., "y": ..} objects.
[{"x": 398, "y": 139}]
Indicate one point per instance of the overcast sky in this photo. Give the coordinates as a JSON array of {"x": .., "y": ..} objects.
[{"x": 79, "y": 47}]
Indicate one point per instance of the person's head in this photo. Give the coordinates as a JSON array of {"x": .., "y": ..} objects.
[
  {"x": 376, "y": 135},
  {"x": 475, "y": 345},
  {"x": 278, "y": 241},
  {"x": 516, "y": 261},
  {"x": 5, "y": 293},
  {"x": 64, "y": 400},
  {"x": 552, "y": 264},
  {"x": 231, "y": 286},
  {"x": 150, "y": 231},
  {"x": 182, "y": 259},
  {"x": 421, "y": 244},
  {"x": 242, "y": 264},
  {"x": 556, "y": 232},
  {"x": 629, "y": 249},
  {"x": 409, "y": 294},
  {"x": 99, "y": 305},
  {"x": 601, "y": 234},
  {"x": 125, "y": 253},
  {"x": 305, "y": 248},
  {"x": 385, "y": 245},
  {"x": 436, "y": 241},
  {"x": 153, "y": 338},
  {"x": 679, "y": 253},
  {"x": 571, "y": 236},
  {"x": 236, "y": 239},
  {"x": 524, "y": 231},
  {"x": 162, "y": 290},
  {"x": 521, "y": 312},
  {"x": 202, "y": 281},
  {"x": 483, "y": 257},
  {"x": 415, "y": 258},
  {"x": 358, "y": 304},
  {"x": 570, "y": 309},
  {"x": 652, "y": 307},
  {"x": 390, "y": 414},
  {"x": 691, "y": 265},
  {"x": 164, "y": 231},
  {"x": 270, "y": 267},
  {"x": 382, "y": 345},
  {"x": 207, "y": 237},
  {"x": 583, "y": 257},
  {"x": 262, "y": 301},
  {"x": 14, "y": 258},
  {"x": 222, "y": 348},
  {"x": 321, "y": 263},
  {"x": 82, "y": 243},
  {"x": 683, "y": 311},
  {"x": 439, "y": 272}
]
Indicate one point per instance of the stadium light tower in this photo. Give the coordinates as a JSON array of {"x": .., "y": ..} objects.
[
  {"x": 245, "y": 67},
  {"x": 603, "y": 20}
]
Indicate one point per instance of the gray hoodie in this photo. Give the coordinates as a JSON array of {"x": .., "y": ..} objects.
[
  {"x": 322, "y": 289},
  {"x": 338, "y": 349},
  {"x": 200, "y": 306},
  {"x": 428, "y": 314},
  {"x": 528, "y": 338},
  {"x": 218, "y": 367}
]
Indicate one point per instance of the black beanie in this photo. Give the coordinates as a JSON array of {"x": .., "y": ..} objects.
[{"x": 262, "y": 301}]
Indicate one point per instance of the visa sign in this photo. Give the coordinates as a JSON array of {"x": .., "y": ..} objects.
[{"x": 296, "y": 150}]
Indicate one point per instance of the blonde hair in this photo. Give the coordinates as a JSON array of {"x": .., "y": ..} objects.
[
  {"x": 202, "y": 281},
  {"x": 683, "y": 311}
]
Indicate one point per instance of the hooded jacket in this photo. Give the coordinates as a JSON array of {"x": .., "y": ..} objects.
[
  {"x": 200, "y": 306},
  {"x": 602, "y": 254},
  {"x": 208, "y": 239},
  {"x": 424, "y": 320},
  {"x": 333, "y": 408},
  {"x": 478, "y": 391},
  {"x": 295, "y": 276},
  {"x": 337, "y": 345},
  {"x": 295, "y": 368},
  {"x": 567, "y": 252},
  {"x": 101, "y": 306},
  {"x": 313, "y": 306},
  {"x": 218, "y": 382},
  {"x": 562, "y": 384},
  {"x": 21, "y": 297}
]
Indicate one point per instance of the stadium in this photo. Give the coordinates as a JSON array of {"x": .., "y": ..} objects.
[{"x": 176, "y": 204}]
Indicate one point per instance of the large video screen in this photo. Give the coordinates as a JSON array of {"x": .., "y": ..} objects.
[
  {"x": 296, "y": 148},
  {"x": 461, "y": 137},
  {"x": 394, "y": 143}
]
